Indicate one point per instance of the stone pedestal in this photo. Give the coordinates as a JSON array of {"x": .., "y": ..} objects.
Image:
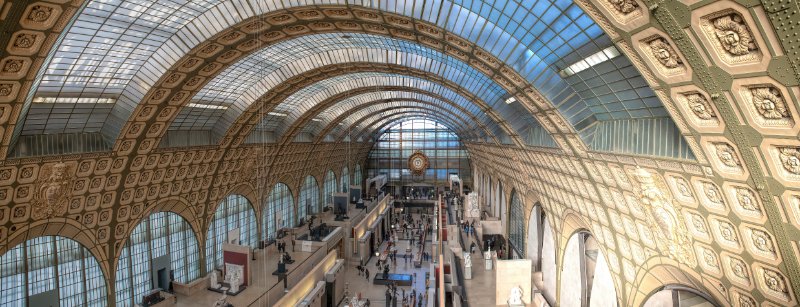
[
  {"x": 468, "y": 272},
  {"x": 487, "y": 256}
]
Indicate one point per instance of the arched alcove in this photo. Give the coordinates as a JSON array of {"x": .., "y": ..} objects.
[
  {"x": 516, "y": 227},
  {"x": 585, "y": 277},
  {"x": 679, "y": 296},
  {"x": 51, "y": 270},
  {"x": 279, "y": 210},
  {"x": 329, "y": 188},
  {"x": 535, "y": 236},
  {"x": 233, "y": 212},
  {"x": 548, "y": 264},
  {"x": 358, "y": 178},
  {"x": 309, "y": 201},
  {"x": 162, "y": 244},
  {"x": 345, "y": 181}
]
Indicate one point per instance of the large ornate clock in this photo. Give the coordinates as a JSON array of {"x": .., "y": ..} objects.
[{"x": 418, "y": 163}]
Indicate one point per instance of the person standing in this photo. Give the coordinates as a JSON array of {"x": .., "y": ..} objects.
[{"x": 366, "y": 274}]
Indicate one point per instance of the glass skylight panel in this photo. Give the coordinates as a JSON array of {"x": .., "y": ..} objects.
[
  {"x": 206, "y": 106},
  {"x": 590, "y": 61},
  {"x": 532, "y": 38},
  {"x": 72, "y": 100}
]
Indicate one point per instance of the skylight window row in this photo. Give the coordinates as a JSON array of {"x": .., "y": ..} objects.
[
  {"x": 590, "y": 61},
  {"x": 73, "y": 100},
  {"x": 206, "y": 106}
]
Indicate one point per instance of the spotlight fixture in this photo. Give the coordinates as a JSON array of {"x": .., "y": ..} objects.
[{"x": 511, "y": 100}]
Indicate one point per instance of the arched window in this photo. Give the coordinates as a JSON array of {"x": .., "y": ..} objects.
[
  {"x": 309, "y": 202},
  {"x": 280, "y": 208},
  {"x": 445, "y": 152},
  {"x": 516, "y": 226},
  {"x": 163, "y": 238},
  {"x": 345, "y": 180},
  {"x": 357, "y": 179},
  {"x": 679, "y": 296},
  {"x": 235, "y": 211},
  {"x": 330, "y": 187},
  {"x": 51, "y": 267}
]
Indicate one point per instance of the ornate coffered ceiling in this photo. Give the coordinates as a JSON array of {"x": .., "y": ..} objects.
[{"x": 724, "y": 72}]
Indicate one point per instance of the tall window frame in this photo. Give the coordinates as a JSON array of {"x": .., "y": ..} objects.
[
  {"x": 444, "y": 149},
  {"x": 157, "y": 235},
  {"x": 330, "y": 187},
  {"x": 234, "y": 211},
  {"x": 309, "y": 202},
  {"x": 280, "y": 210},
  {"x": 345, "y": 179},
  {"x": 51, "y": 263},
  {"x": 516, "y": 224}
]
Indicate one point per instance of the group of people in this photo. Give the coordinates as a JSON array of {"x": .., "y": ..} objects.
[
  {"x": 282, "y": 246},
  {"x": 363, "y": 270},
  {"x": 410, "y": 299},
  {"x": 468, "y": 227}
]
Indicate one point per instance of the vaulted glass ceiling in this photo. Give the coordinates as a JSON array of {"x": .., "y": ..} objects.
[
  {"x": 465, "y": 127},
  {"x": 242, "y": 83},
  {"x": 297, "y": 104},
  {"x": 118, "y": 49},
  {"x": 376, "y": 101}
]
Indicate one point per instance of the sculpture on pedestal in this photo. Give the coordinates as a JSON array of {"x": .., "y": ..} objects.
[
  {"x": 467, "y": 260},
  {"x": 214, "y": 282},
  {"x": 235, "y": 282},
  {"x": 222, "y": 301}
]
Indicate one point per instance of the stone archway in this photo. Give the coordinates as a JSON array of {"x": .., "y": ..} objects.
[{"x": 584, "y": 267}]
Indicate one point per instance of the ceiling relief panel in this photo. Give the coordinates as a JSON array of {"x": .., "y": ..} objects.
[{"x": 726, "y": 31}]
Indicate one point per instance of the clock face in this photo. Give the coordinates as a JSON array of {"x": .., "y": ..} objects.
[{"x": 417, "y": 163}]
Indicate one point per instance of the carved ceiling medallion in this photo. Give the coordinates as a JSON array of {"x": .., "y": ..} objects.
[
  {"x": 727, "y": 155},
  {"x": 734, "y": 34},
  {"x": 664, "y": 53},
  {"x": 52, "y": 191},
  {"x": 699, "y": 105},
  {"x": 790, "y": 159},
  {"x": 769, "y": 103},
  {"x": 731, "y": 37}
]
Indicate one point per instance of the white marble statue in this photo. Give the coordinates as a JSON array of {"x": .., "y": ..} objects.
[
  {"x": 235, "y": 282},
  {"x": 516, "y": 296},
  {"x": 354, "y": 302},
  {"x": 222, "y": 301},
  {"x": 467, "y": 260},
  {"x": 214, "y": 282}
]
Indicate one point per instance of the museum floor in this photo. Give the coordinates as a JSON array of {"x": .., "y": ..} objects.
[{"x": 479, "y": 289}]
